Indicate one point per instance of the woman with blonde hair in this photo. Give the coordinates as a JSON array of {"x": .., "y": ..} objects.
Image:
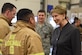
[{"x": 66, "y": 38}]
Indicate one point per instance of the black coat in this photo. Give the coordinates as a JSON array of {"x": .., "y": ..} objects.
[{"x": 66, "y": 41}]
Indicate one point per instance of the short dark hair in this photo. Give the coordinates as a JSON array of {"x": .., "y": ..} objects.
[
  {"x": 24, "y": 14},
  {"x": 7, "y": 6},
  {"x": 75, "y": 19},
  {"x": 42, "y": 11}
]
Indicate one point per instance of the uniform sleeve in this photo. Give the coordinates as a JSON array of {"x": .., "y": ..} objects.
[
  {"x": 34, "y": 46},
  {"x": 4, "y": 30},
  {"x": 75, "y": 41},
  {"x": 51, "y": 32}
]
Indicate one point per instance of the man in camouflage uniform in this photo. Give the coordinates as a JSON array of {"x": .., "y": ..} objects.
[{"x": 44, "y": 29}]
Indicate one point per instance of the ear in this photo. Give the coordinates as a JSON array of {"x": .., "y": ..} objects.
[
  {"x": 7, "y": 12},
  {"x": 31, "y": 20},
  {"x": 64, "y": 15}
]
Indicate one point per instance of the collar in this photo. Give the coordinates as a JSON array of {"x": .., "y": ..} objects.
[
  {"x": 21, "y": 24},
  {"x": 64, "y": 27},
  {"x": 4, "y": 18}
]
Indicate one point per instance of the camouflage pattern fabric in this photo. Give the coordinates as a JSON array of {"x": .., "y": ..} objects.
[{"x": 45, "y": 31}]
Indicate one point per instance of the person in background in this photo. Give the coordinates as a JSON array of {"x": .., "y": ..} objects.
[
  {"x": 23, "y": 40},
  {"x": 66, "y": 38},
  {"x": 44, "y": 29},
  {"x": 77, "y": 23},
  {"x": 7, "y": 14}
]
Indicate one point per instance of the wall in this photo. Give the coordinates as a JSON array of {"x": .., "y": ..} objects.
[
  {"x": 74, "y": 1},
  {"x": 77, "y": 12},
  {"x": 75, "y": 9},
  {"x": 31, "y": 4},
  {"x": 50, "y": 2}
]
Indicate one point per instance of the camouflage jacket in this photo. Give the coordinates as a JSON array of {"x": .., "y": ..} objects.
[{"x": 45, "y": 31}]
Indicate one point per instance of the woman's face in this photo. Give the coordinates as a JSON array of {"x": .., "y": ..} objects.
[{"x": 58, "y": 18}]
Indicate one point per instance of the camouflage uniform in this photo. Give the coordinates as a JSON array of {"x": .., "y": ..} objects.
[{"x": 45, "y": 31}]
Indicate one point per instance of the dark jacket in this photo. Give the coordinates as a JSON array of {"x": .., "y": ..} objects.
[{"x": 66, "y": 41}]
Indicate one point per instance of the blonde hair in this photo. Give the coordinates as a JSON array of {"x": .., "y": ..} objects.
[{"x": 59, "y": 9}]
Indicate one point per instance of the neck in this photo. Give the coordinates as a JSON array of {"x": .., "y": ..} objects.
[
  {"x": 63, "y": 23},
  {"x": 7, "y": 19},
  {"x": 41, "y": 22},
  {"x": 4, "y": 14}
]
